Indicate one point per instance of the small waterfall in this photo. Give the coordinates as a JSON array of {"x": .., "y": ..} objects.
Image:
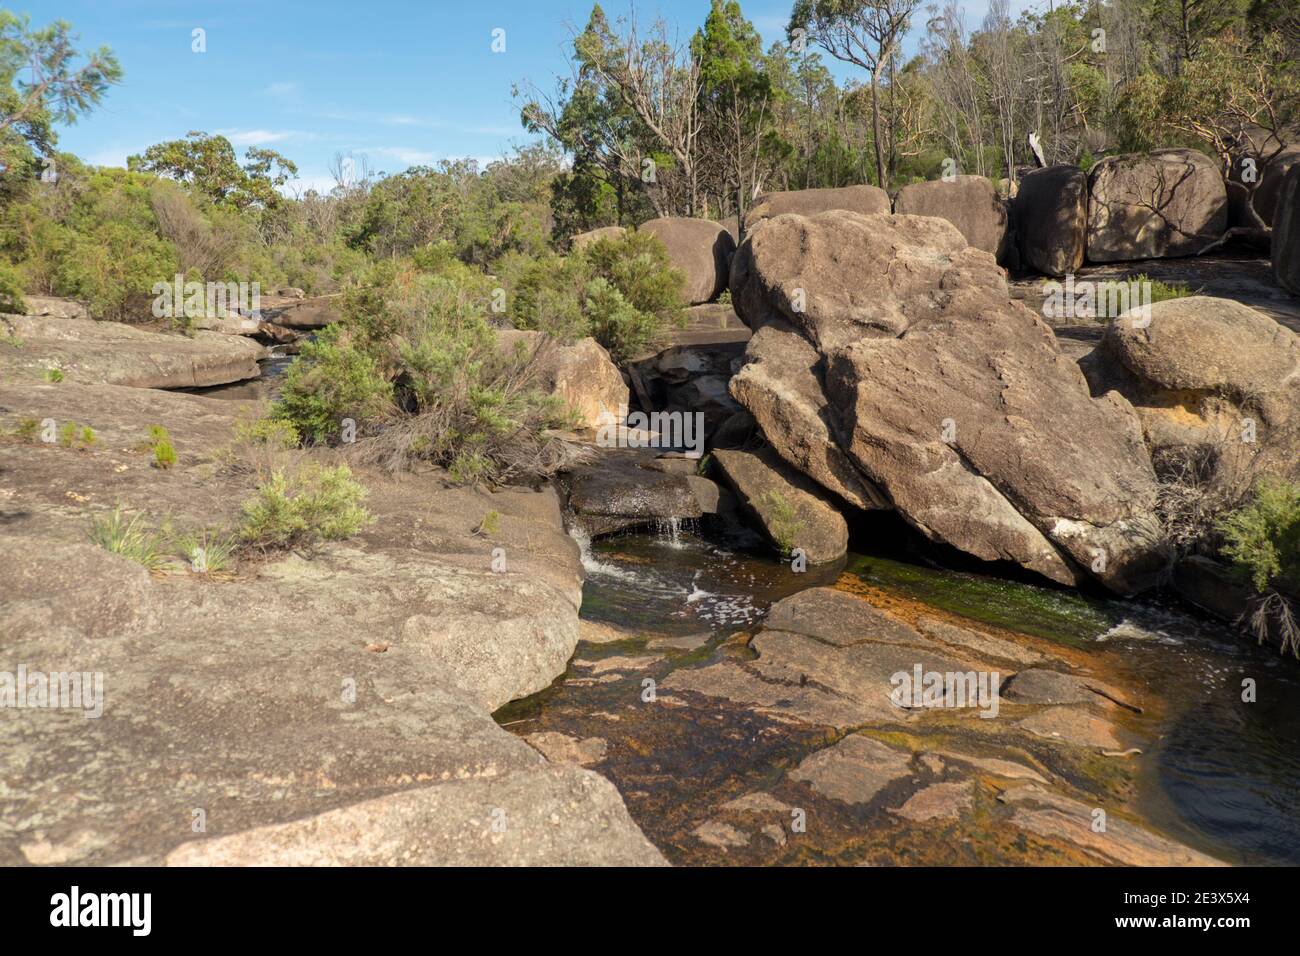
[{"x": 590, "y": 563}]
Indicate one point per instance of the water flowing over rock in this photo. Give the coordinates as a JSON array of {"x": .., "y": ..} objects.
[
  {"x": 1171, "y": 202},
  {"x": 951, "y": 399}
]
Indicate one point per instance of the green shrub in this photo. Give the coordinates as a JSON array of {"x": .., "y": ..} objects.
[
  {"x": 299, "y": 508},
  {"x": 27, "y": 429},
  {"x": 1262, "y": 539},
  {"x": 416, "y": 361},
  {"x": 332, "y": 379},
  {"x": 160, "y": 443},
  {"x": 622, "y": 291},
  {"x": 53, "y": 375},
  {"x": 131, "y": 538},
  {"x": 11, "y": 290}
]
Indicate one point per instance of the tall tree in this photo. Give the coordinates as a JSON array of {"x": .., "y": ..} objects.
[
  {"x": 735, "y": 99},
  {"x": 867, "y": 33}
]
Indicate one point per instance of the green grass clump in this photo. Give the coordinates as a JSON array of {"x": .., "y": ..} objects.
[
  {"x": 1160, "y": 291},
  {"x": 299, "y": 508},
  {"x": 490, "y": 525},
  {"x": 207, "y": 551},
  {"x": 54, "y": 375},
  {"x": 783, "y": 521},
  {"x": 160, "y": 443},
  {"x": 130, "y": 537},
  {"x": 28, "y": 429}
]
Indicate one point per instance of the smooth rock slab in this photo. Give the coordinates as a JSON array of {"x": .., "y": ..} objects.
[
  {"x": 1072, "y": 726},
  {"x": 1055, "y": 816},
  {"x": 561, "y": 748},
  {"x": 854, "y": 770},
  {"x": 939, "y": 801},
  {"x": 523, "y": 819},
  {"x": 839, "y": 618},
  {"x": 116, "y": 354}
]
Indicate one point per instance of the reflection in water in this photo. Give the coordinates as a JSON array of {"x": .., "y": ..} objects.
[{"x": 1225, "y": 775}]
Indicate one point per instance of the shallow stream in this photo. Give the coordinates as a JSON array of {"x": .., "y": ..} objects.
[{"x": 1216, "y": 774}]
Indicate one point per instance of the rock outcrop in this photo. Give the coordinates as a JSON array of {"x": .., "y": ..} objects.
[
  {"x": 112, "y": 353},
  {"x": 782, "y": 385},
  {"x": 792, "y": 511},
  {"x": 581, "y": 374},
  {"x": 951, "y": 399},
  {"x": 867, "y": 200},
  {"x": 324, "y": 708},
  {"x": 701, "y": 249},
  {"x": 299, "y": 312},
  {"x": 1272, "y": 177},
  {"x": 1212, "y": 380},
  {"x": 583, "y": 239},
  {"x": 1051, "y": 219},
  {"x": 970, "y": 203},
  {"x": 1286, "y": 233},
  {"x": 1171, "y": 202}
]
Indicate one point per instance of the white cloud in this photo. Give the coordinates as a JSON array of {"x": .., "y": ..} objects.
[
  {"x": 285, "y": 90},
  {"x": 258, "y": 137}
]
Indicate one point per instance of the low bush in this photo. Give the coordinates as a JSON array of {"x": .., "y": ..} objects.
[
  {"x": 415, "y": 363},
  {"x": 622, "y": 291},
  {"x": 300, "y": 507},
  {"x": 1262, "y": 540}
]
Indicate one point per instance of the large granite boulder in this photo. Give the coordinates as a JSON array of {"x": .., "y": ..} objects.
[
  {"x": 782, "y": 385},
  {"x": 971, "y": 203},
  {"x": 113, "y": 353},
  {"x": 298, "y": 312},
  {"x": 1171, "y": 202},
  {"x": 953, "y": 400},
  {"x": 1051, "y": 219},
  {"x": 808, "y": 202},
  {"x": 1209, "y": 375},
  {"x": 701, "y": 249},
  {"x": 581, "y": 374},
  {"x": 793, "y": 513},
  {"x": 1286, "y": 233},
  {"x": 1272, "y": 176}
]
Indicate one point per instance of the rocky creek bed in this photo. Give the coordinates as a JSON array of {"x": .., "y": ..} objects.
[{"x": 769, "y": 738}]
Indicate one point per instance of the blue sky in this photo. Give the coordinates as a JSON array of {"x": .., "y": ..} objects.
[{"x": 400, "y": 83}]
